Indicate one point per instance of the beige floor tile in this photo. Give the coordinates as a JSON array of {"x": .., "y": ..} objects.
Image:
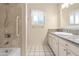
[
  {"x": 31, "y": 54},
  {"x": 42, "y": 54},
  {"x": 37, "y": 53}
]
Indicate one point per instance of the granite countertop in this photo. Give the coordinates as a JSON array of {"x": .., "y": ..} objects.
[{"x": 72, "y": 38}]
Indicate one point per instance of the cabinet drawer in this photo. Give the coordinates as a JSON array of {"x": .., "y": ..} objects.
[
  {"x": 74, "y": 48},
  {"x": 70, "y": 46},
  {"x": 62, "y": 42},
  {"x": 70, "y": 53}
]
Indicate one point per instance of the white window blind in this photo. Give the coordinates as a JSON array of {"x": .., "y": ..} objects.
[
  {"x": 37, "y": 17},
  {"x": 74, "y": 18}
]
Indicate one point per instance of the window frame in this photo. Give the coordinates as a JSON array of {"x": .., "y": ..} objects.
[
  {"x": 74, "y": 14},
  {"x": 33, "y": 24},
  {"x": 73, "y": 20},
  {"x": 75, "y": 17}
]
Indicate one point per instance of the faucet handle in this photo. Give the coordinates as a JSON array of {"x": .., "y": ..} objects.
[{"x": 7, "y": 35}]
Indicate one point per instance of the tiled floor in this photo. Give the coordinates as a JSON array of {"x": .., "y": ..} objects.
[{"x": 39, "y": 50}]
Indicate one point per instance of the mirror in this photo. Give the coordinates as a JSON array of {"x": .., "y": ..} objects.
[
  {"x": 69, "y": 16},
  {"x": 74, "y": 18}
]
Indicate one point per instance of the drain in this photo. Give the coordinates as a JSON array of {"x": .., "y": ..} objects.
[{"x": 6, "y": 51}]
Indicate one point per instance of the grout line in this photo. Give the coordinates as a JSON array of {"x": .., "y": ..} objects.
[{"x": 40, "y": 50}]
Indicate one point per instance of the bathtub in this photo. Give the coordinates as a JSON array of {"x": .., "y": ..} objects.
[{"x": 10, "y": 52}]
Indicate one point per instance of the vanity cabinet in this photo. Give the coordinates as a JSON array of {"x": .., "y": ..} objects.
[
  {"x": 62, "y": 47},
  {"x": 50, "y": 41},
  {"x": 62, "y": 51},
  {"x": 70, "y": 53},
  {"x": 53, "y": 43}
]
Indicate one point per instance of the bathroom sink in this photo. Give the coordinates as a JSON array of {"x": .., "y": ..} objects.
[{"x": 62, "y": 33}]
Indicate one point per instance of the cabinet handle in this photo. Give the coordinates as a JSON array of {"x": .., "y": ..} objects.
[
  {"x": 64, "y": 49},
  {"x": 66, "y": 44}
]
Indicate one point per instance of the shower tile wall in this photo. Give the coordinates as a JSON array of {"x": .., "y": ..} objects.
[{"x": 8, "y": 14}]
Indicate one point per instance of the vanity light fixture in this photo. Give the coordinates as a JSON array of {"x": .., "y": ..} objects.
[{"x": 66, "y": 5}]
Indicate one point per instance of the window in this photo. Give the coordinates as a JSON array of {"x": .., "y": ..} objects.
[
  {"x": 71, "y": 19},
  {"x": 77, "y": 18},
  {"x": 37, "y": 17},
  {"x": 74, "y": 18}
]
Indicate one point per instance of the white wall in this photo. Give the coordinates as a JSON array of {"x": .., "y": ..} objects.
[{"x": 37, "y": 34}]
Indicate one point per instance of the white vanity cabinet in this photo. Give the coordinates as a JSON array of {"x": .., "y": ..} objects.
[
  {"x": 50, "y": 41},
  {"x": 70, "y": 53},
  {"x": 53, "y": 42},
  {"x": 70, "y": 48},
  {"x": 62, "y": 47},
  {"x": 62, "y": 51},
  {"x": 55, "y": 45}
]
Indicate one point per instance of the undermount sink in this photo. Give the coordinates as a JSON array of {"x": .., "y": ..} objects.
[{"x": 63, "y": 33}]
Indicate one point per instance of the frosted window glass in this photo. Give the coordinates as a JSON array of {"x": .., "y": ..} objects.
[
  {"x": 77, "y": 18},
  {"x": 37, "y": 17},
  {"x": 71, "y": 19}
]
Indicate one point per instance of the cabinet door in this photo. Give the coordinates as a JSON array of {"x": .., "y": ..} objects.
[
  {"x": 62, "y": 50},
  {"x": 55, "y": 45},
  {"x": 49, "y": 41},
  {"x": 73, "y": 47},
  {"x": 53, "y": 42},
  {"x": 70, "y": 53}
]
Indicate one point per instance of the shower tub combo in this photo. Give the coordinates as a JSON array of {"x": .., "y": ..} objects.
[{"x": 10, "y": 52}]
